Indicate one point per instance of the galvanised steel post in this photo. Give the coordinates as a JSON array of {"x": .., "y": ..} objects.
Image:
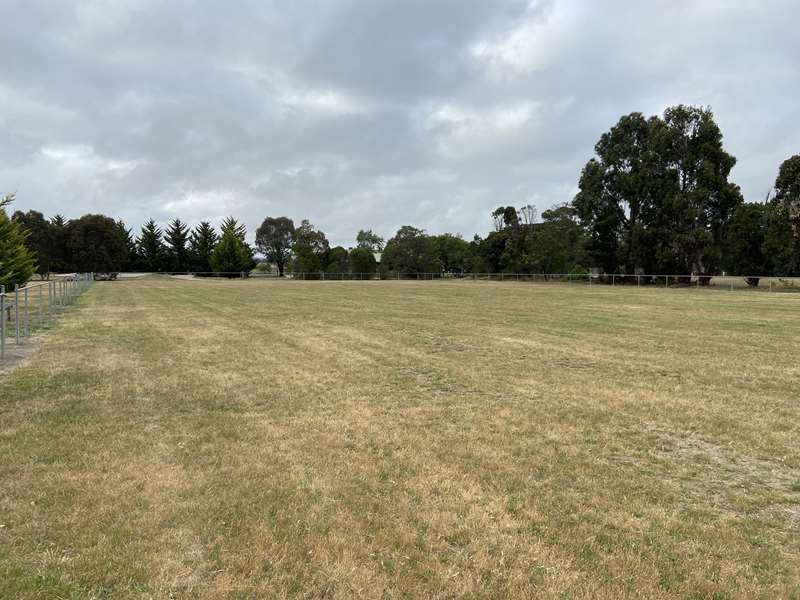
[
  {"x": 2, "y": 321},
  {"x": 41, "y": 304},
  {"x": 27, "y": 329},
  {"x": 16, "y": 311}
]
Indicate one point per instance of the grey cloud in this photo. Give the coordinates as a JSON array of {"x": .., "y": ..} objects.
[{"x": 368, "y": 114}]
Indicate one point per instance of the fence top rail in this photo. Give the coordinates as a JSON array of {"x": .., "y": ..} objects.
[
  {"x": 36, "y": 284},
  {"x": 78, "y": 278},
  {"x": 454, "y": 273},
  {"x": 575, "y": 275},
  {"x": 685, "y": 278}
]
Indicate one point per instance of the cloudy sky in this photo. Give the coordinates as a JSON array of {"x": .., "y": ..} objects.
[{"x": 369, "y": 113}]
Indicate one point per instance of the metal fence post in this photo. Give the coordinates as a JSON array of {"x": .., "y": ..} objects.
[
  {"x": 2, "y": 321},
  {"x": 16, "y": 311},
  {"x": 41, "y": 305},
  {"x": 27, "y": 329}
]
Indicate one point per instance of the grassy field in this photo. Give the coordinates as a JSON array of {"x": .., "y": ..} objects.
[{"x": 278, "y": 439}]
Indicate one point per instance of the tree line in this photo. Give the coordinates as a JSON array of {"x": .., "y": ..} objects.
[{"x": 655, "y": 199}]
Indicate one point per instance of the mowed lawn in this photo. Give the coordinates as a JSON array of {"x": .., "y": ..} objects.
[{"x": 284, "y": 439}]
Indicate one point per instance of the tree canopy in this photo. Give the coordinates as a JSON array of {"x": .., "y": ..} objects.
[
  {"x": 95, "y": 244},
  {"x": 369, "y": 240},
  {"x": 274, "y": 239},
  {"x": 410, "y": 251},
  {"x": 39, "y": 239},
  {"x": 17, "y": 263},
  {"x": 231, "y": 254},
  {"x": 310, "y": 248},
  {"x": 656, "y": 197},
  {"x": 150, "y": 245},
  {"x": 176, "y": 238},
  {"x": 202, "y": 242}
]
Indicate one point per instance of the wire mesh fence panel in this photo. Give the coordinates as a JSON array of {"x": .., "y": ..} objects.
[{"x": 24, "y": 310}]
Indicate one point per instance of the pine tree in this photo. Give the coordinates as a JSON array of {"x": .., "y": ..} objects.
[
  {"x": 203, "y": 241},
  {"x": 61, "y": 262},
  {"x": 16, "y": 261},
  {"x": 232, "y": 225},
  {"x": 151, "y": 247},
  {"x": 232, "y": 254},
  {"x": 177, "y": 239},
  {"x": 130, "y": 260}
]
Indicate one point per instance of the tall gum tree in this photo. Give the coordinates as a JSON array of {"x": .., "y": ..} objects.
[{"x": 656, "y": 196}]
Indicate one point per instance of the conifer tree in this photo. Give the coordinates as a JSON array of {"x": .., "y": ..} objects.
[
  {"x": 232, "y": 254},
  {"x": 231, "y": 224},
  {"x": 151, "y": 247},
  {"x": 177, "y": 239},
  {"x": 202, "y": 243},
  {"x": 130, "y": 261},
  {"x": 17, "y": 264},
  {"x": 60, "y": 258}
]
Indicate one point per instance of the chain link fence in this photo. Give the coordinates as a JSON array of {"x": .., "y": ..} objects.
[{"x": 26, "y": 309}]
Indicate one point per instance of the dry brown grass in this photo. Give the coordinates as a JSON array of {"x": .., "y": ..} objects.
[{"x": 246, "y": 439}]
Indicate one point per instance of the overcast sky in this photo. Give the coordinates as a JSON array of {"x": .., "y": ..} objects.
[{"x": 369, "y": 113}]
